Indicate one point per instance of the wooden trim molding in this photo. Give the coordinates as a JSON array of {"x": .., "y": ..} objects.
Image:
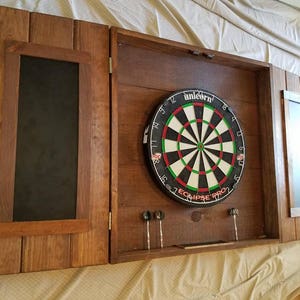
[
  {"x": 8, "y": 229},
  {"x": 42, "y": 51},
  {"x": 8, "y": 142}
]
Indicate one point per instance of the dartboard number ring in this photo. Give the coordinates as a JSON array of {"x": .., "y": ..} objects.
[{"x": 195, "y": 147}]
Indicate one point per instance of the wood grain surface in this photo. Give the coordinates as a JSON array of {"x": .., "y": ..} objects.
[
  {"x": 46, "y": 252},
  {"x": 53, "y": 227},
  {"x": 114, "y": 196},
  {"x": 92, "y": 247},
  {"x": 286, "y": 224},
  {"x": 293, "y": 85},
  {"x": 14, "y": 25},
  {"x": 8, "y": 136},
  {"x": 271, "y": 205},
  {"x": 50, "y": 244}
]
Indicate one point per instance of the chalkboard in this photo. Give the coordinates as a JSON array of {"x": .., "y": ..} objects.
[
  {"x": 47, "y": 140},
  {"x": 292, "y": 126}
]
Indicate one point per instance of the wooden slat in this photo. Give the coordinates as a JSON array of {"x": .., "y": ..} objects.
[
  {"x": 92, "y": 247},
  {"x": 9, "y": 136},
  {"x": 51, "y": 30},
  {"x": 114, "y": 238},
  {"x": 48, "y": 252},
  {"x": 293, "y": 85},
  {"x": 180, "y": 49},
  {"x": 169, "y": 72},
  {"x": 9, "y": 229},
  {"x": 45, "y": 253},
  {"x": 267, "y": 152},
  {"x": 84, "y": 144},
  {"x": 10, "y": 255},
  {"x": 286, "y": 224},
  {"x": 175, "y": 251},
  {"x": 14, "y": 25},
  {"x": 56, "y": 53}
]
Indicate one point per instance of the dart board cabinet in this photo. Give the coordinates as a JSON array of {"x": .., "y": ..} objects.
[
  {"x": 191, "y": 167},
  {"x": 162, "y": 148}
]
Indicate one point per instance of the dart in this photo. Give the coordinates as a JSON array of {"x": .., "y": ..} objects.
[
  {"x": 147, "y": 216},
  {"x": 234, "y": 212},
  {"x": 160, "y": 215}
]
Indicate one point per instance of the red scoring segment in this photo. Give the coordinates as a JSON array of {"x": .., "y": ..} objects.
[
  {"x": 177, "y": 110},
  {"x": 180, "y": 181},
  {"x": 218, "y": 113},
  {"x": 198, "y": 104}
]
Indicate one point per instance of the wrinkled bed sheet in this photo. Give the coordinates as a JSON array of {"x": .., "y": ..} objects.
[
  {"x": 266, "y": 30},
  {"x": 264, "y": 272}
]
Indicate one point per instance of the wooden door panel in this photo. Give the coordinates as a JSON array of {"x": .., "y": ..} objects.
[{"x": 50, "y": 31}]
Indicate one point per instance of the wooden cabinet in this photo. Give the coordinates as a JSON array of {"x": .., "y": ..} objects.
[
  {"x": 122, "y": 77},
  {"x": 145, "y": 71}
]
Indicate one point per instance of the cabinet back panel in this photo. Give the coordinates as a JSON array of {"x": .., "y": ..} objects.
[{"x": 145, "y": 78}]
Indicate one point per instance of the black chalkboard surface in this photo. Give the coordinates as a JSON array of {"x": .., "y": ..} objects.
[{"x": 47, "y": 140}]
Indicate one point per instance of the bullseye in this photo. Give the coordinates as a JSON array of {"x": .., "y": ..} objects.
[{"x": 200, "y": 146}]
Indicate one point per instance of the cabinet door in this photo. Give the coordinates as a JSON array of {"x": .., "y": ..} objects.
[{"x": 53, "y": 157}]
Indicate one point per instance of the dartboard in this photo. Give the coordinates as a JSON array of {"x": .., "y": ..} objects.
[{"x": 195, "y": 147}]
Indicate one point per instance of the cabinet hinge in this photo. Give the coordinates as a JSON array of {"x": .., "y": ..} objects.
[
  {"x": 110, "y": 65},
  {"x": 109, "y": 220}
]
